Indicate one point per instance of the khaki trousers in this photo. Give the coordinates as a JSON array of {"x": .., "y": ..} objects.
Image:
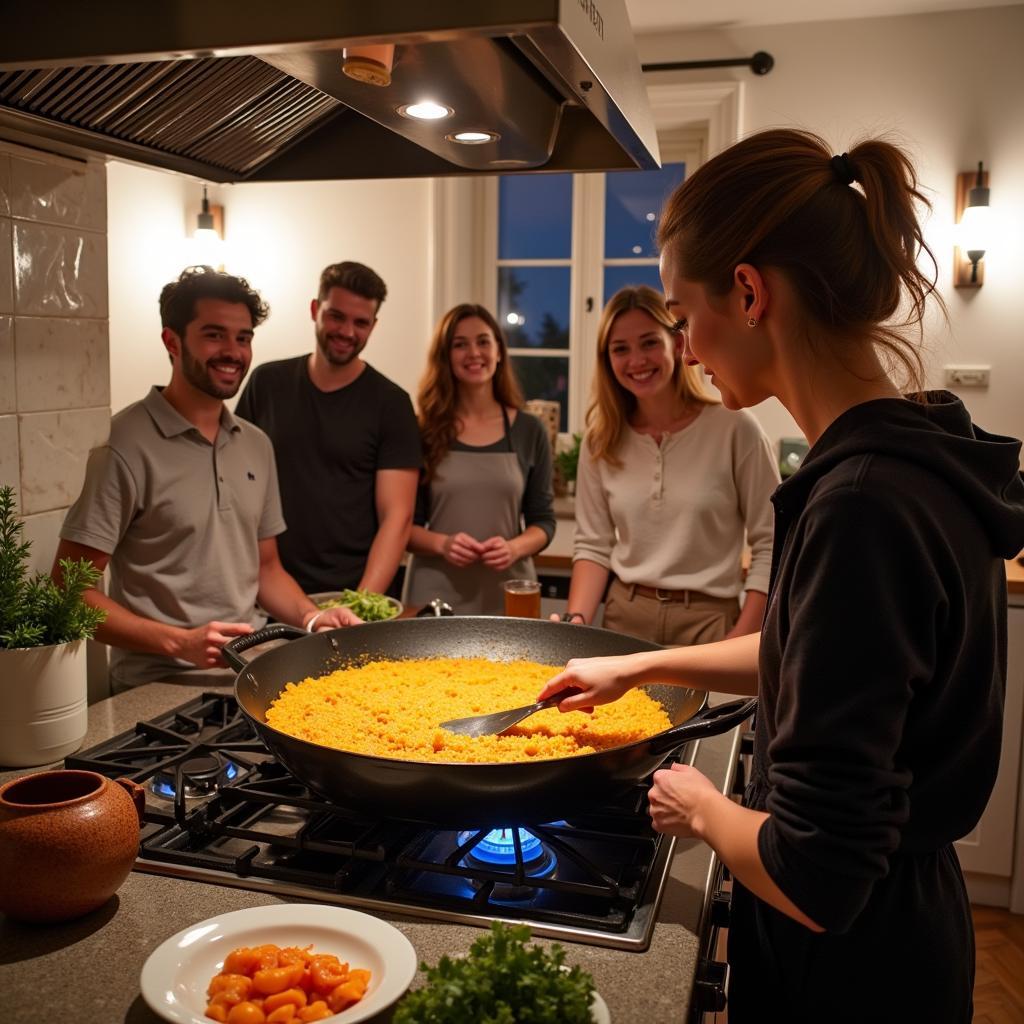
[{"x": 682, "y": 622}]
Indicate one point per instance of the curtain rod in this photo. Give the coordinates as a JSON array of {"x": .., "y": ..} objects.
[{"x": 761, "y": 63}]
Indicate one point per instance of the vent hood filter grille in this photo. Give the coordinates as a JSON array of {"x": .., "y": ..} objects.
[
  {"x": 231, "y": 113},
  {"x": 190, "y": 86}
]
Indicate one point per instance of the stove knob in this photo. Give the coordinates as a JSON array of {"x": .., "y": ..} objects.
[
  {"x": 711, "y": 986},
  {"x": 721, "y": 905}
]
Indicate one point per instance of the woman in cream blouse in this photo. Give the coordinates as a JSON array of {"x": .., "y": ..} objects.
[{"x": 670, "y": 486}]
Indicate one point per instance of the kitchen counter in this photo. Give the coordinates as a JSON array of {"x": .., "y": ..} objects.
[
  {"x": 88, "y": 970},
  {"x": 558, "y": 554}
]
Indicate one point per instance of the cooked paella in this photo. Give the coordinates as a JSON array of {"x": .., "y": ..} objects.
[{"x": 395, "y": 709}]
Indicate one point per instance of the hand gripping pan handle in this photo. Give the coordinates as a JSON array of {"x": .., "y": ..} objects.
[{"x": 278, "y": 631}]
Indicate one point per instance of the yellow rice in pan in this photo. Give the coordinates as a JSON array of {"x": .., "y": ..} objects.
[{"x": 394, "y": 709}]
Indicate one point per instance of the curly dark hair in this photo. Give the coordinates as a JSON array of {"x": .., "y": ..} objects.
[{"x": 178, "y": 299}]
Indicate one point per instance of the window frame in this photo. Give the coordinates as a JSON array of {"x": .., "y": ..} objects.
[{"x": 693, "y": 122}]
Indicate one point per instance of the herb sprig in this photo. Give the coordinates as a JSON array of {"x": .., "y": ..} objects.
[
  {"x": 35, "y": 611},
  {"x": 502, "y": 981}
]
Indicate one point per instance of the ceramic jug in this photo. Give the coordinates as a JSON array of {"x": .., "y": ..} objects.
[{"x": 67, "y": 841}]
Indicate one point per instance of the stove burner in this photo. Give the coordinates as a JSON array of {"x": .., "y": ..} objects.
[
  {"x": 222, "y": 810},
  {"x": 198, "y": 776},
  {"x": 496, "y": 851}
]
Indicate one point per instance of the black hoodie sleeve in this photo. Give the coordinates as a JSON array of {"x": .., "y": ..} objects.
[{"x": 861, "y": 608}]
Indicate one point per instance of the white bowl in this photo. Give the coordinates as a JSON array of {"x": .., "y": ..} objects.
[
  {"x": 334, "y": 595},
  {"x": 177, "y": 973}
]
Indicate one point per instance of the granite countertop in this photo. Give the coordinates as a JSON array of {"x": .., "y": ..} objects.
[{"x": 88, "y": 970}]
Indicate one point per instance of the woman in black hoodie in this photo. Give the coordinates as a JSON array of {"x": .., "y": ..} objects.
[{"x": 881, "y": 665}]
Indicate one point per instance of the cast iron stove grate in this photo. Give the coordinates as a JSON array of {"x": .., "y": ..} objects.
[{"x": 244, "y": 821}]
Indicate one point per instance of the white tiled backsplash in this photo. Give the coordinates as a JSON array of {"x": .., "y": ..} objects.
[
  {"x": 54, "y": 351},
  {"x": 6, "y": 260},
  {"x": 5, "y": 188},
  {"x": 62, "y": 364},
  {"x": 8, "y": 395}
]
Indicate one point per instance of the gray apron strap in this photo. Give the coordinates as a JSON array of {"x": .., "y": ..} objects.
[{"x": 479, "y": 493}]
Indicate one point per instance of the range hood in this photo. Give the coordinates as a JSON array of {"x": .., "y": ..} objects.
[{"x": 264, "y": 90}]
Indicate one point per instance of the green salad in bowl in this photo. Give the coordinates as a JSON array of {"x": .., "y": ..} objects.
[{"x": 370, "y": 607}]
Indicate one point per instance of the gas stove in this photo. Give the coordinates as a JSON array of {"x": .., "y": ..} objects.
[{"x": 220, "y": 809}]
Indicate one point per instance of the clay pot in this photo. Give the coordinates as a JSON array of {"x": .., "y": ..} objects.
[{"x": 67, "y": 841}]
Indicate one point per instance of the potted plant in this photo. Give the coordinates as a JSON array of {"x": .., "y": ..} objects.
[
  {"x": 567, "y": 462},
  {"x": 43, "y": 629}
]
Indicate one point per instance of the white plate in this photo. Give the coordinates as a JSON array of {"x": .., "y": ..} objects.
[
  {"x": 333, "y": 595},
  {"x": 177, "y": 973}
]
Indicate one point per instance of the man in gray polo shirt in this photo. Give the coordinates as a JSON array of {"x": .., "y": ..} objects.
[{"x": 182, "y": 501}]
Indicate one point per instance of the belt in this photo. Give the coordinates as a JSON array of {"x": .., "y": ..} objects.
[{"x": 661, "y": 594}]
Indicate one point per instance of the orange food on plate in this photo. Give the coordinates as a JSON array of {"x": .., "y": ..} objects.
[{"x": 270, "y": 985}]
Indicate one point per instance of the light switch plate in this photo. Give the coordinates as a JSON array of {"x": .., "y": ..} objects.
[{"x": 967, "y": 376}]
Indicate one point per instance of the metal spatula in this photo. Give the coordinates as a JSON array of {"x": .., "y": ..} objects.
[{"x": 499, "y": 721}]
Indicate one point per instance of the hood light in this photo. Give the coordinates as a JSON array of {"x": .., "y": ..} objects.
[
  {"x": 425, "y": 110},
  {"x": 473, "y": 138}
]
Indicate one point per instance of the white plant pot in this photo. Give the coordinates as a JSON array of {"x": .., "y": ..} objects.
[{"x": 43, "y": 703}]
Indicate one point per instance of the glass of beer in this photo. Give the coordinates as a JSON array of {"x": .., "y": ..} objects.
[{"x": 522, "y": 599}]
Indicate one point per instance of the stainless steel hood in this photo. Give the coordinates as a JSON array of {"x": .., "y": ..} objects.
[{"x": 231, "y": 91}]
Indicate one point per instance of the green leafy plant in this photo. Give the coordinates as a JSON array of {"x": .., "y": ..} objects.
[
  {"x": 34, "y": 610},
  {"x": 568, "y": 461},
  {"x": 501, "y": 981}
]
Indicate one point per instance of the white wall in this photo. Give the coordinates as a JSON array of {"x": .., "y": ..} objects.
[
  {"x": 145, "y": 246},
  {"x": 951, "y": 86},
  {"x": 280, "y": 236}
]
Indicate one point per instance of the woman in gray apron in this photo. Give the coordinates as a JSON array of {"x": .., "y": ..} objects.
[{"x": 485, "y": 503}]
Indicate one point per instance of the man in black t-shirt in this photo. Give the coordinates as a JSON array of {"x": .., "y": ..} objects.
[{"x": 346, "y": 442}]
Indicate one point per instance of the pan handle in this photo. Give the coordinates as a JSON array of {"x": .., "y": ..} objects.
[
  {"x": 707, "y": 722},
  {"x": 278, "y": 631}
]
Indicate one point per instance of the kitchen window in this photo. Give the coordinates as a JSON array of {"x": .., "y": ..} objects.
[
  {"x": 534, "y": 270},
  {"x": 551, "y": 248},
  {"x": 560, "y": 246}
]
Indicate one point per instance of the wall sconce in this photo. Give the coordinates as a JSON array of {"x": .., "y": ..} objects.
[
  {"x": 208, "y": 238},
  {"x": 973, "y": 233}
]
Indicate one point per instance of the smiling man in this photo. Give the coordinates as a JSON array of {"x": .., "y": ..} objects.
[
  {"x": 182, "y": 500},
  {"x": 346, "y": 440}
]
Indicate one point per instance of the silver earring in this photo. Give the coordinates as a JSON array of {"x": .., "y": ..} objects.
[{"x": 751, "y": 322}]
